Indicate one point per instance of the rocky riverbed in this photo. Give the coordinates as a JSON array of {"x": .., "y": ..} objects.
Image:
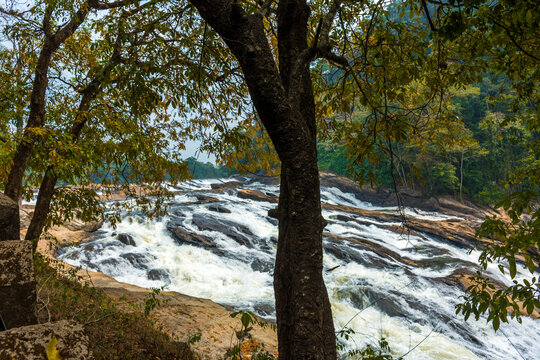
[{"x": 391, "y": 272}]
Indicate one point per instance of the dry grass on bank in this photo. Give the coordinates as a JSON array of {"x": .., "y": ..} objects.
[{"x": 113, "y": 334}]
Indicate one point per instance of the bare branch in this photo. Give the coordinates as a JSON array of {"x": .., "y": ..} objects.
[
  {"x": 326, "y": 25},
  {"x": 19, "y": 15},
  {"x": 426, "y": 11},
  {"x": 265, "y": 7}
]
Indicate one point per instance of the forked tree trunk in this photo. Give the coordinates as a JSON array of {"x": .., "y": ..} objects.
[
  {"x": 48, "y": 183},
  {"x": 284, "y": 101},
  {"x": 36, "y": 116}
]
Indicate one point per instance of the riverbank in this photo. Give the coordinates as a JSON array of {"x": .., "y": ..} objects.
[{"x": 182, "y": 317}]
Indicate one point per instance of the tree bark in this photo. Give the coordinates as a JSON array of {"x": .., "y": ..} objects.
[
  {"x": 285, "y": 104},
  {"x": 461, "y": 178}
]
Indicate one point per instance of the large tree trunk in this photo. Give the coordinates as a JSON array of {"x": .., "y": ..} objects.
[
  {"x": 284, "y": 101},
  {"x": 41, "y": 211},
  {"x": 304, "y": 317},
  {"x": 35, "y": 120}
]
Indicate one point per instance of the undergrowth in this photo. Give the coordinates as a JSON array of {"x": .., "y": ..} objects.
[{"x": 113, "y": 334}]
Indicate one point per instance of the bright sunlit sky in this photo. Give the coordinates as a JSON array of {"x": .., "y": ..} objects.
[{"x": 192, "y": 149}]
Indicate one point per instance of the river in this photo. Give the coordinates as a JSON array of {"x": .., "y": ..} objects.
[{"x": 381, "y": 283}]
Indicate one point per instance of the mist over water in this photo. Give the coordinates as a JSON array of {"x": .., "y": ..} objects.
[{"x": 372, "y": 292}]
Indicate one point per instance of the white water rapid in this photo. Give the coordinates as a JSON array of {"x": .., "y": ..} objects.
[{"x": 372, "y": 290}]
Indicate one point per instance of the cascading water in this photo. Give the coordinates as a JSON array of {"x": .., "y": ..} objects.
[{"x": 220, "y": 246}]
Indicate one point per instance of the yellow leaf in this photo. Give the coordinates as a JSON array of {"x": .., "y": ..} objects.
[{"x": 52, "y": 352}]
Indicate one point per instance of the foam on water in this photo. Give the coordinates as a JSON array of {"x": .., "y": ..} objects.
[{"x": 370, "y": 292}]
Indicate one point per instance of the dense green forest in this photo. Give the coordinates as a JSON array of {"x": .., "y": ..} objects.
[
  {"x": 201, "y": 170},
  {"x": 480, "y": 163}
]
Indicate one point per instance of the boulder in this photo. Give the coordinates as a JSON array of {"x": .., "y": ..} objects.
[
  {"x": 126, "y": 239},
  {"x": 235, "y": 231},
  {"x": 219, "y": 209},
  {"x": 9, "y": 219},
  {"x": 256, "y": 196},
  {"x": 182, "y": 236},
  {"x": 17, "y": 284},
  {"x": 201, "y": 199},
  {"x": 159, "y": 274},
  {"x": 30, "y": 342},
  {"x": 139, "y": 261},
  {"x": 226, "y": 185}
]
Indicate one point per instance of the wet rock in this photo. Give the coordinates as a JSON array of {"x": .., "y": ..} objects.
[
  {"x": 159, "y": 275},
  {"x": 272, "y": 220},
  {"x": 205, "y": 199},
  {"x": 262, "y": 178},
  {"x": 73, "y": 255},
  {"x": 442, "y": 262},
  {"x": 100, "y": 233},
  {"x": 89, "y": 265},
  {"x": 182, "y": 236},
  {"x": 110, "y": 262},
  {"x": 178, "y": 213},
  {"x": 375, "y": 254},
  {"x": 235, "y": 231},
  {"x": 9, "y": 219},
  {"x": 78, "y": 225},
  {"x": 139, "y": 261},
  {"x": 343, "y": 218},
  {"x": 262, "y": 265},
  {"x": 30, "y": 342},
  {"x": 219, "y": 209},
  {"x": 461, "y": 234},
  {"x": 17, "y": 284},
  {"x": 264, "y": 309},
  {"x": 256, "y": 196},
  {"x": 126, "y": 239},
  {"x": 226, "y": 185}
]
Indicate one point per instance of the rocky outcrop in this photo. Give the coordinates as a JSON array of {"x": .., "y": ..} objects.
[
  {"x": 9, "y": 219},
  {"x": 235, "y": 231},
  {"x": 31, "y": 342},
  {"x": 256, "y": 196},
  {"x": 226, "y": 185},
  {"x": 183, "y": 316},
  {"x": 17, "y": 284},
  {"x": 182, "y": 236},
  {"x": 460, "y": 233},
  {"x": 126, "y": 239},
  {"x": 408, "y": 198}
]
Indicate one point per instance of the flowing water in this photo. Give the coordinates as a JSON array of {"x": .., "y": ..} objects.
[{"x": 372, "y": 290}]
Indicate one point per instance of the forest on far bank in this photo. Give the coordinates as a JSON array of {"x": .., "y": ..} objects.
[{"x": 478, "y": 166}]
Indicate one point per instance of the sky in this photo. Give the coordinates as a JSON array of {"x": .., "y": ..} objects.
[{"x": 192, "y": 149}]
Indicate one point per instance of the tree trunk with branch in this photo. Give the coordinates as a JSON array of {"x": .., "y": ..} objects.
[{"x": 285, "y": 104}]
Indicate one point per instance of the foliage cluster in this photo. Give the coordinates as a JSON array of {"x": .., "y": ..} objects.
[{"x": 245, "y": 346}]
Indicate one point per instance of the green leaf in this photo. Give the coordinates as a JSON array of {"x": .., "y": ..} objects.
[
  {"x": 529, "y": 16},
  {"x": 530, "y": 308},
  {"x": 496, "y": 323},
  {"x": 512, "y": 263},
  {"x": 530, "y": 265}
]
